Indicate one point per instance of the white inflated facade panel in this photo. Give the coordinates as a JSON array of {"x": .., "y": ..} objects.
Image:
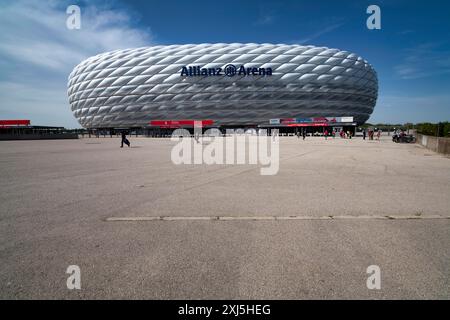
[{"x": 129, "y": 88}]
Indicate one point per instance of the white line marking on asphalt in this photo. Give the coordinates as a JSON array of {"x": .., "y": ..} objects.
[{"x": 254, "y": 218}]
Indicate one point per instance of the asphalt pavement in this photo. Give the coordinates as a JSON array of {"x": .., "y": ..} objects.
[{"x": 202, "y": 231}]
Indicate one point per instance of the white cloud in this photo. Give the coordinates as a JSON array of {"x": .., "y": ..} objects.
[
  {"x": 315, "y": 29},
  {"x": 264, "y": 19},
  {"x": 38, "y": 52},
  {"x": 402, "y": 109},
  {"x": 318, "y": 34},
  {"x": 267, "y": 15},
  {"x": 425, "y": 60}
]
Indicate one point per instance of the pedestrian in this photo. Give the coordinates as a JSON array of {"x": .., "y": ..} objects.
[
  {"x": 325, "y": 133},
  {"x": 124, "y": 139},
  {"x": 197, "y": 136},
  {"x": 334, "y": 133},
  {"x": 298, "y": 134},
  {"x": 378, "y": 134},
  {"x": 304, "y": 134},
  {"x": 276, "y": 133},
  {"x": 364, "y": 134}
]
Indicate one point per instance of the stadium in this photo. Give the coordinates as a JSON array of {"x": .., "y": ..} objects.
[{"x": 225, "y": 85}]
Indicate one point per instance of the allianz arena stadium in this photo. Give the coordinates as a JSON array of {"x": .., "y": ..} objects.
[{"x": 230, "y": 84}]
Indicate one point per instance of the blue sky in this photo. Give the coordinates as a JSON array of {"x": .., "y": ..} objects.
[{"x": 411, "y": 52}]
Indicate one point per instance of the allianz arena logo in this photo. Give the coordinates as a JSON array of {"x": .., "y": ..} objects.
[{"x": 230, "y": 70}]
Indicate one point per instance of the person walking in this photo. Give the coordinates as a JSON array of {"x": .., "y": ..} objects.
[
  {"x": 196, "y": 136},
  {"x": 124, "y": 139},
  {"x": 304, "y": 134},
  {"x": 378, "y": 134},
  {"x": 364, "y": 134},
  {"x": 275, "y": 134},
  {"x": 325, "y": 133}
]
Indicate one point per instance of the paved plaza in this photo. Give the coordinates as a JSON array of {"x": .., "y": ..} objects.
[{"x": 139, "y": 226}]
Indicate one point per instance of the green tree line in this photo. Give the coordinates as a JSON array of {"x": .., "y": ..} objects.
[{"x": 441, "y": 129}]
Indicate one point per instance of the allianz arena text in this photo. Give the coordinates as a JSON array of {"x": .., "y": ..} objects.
[{"x": 231, "y": 84}]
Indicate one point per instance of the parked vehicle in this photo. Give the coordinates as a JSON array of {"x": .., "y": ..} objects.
[{"x": 402, "y": 137}]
